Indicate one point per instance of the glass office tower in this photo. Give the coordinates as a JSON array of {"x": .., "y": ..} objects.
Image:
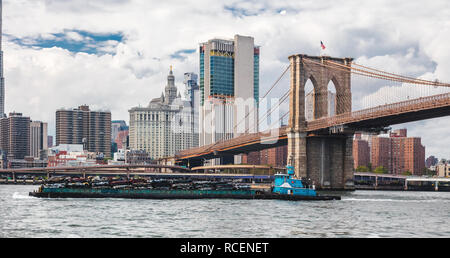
[{"x": 229, "y": 88}]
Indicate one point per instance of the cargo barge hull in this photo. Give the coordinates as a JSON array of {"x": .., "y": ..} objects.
[{"x": 174, "y": 194}]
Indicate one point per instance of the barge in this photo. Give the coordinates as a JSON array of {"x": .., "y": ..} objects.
[{"x": 285, "y": 187}]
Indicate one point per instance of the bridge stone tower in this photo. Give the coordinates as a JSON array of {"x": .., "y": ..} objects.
[{"x": 324, "y": 157}]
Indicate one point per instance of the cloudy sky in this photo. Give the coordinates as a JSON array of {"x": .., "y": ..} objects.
[{"x": 115, "y": 54}]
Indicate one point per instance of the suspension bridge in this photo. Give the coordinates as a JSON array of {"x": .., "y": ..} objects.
[{"x": 321, "y": 148}]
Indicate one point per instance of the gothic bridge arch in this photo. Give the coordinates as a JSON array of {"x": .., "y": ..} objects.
[{"x": 327, "y": 160}]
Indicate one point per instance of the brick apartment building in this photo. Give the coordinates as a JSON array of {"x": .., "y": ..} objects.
[
  {"x": 15, "y": 135},
  {"x": 83, "y": 126},
  {"x": 397, "y": 153},
  {"x": 276, "y": 157},
  {"x": 361, "y": 153},
  {"x": 380, "y": 152}
]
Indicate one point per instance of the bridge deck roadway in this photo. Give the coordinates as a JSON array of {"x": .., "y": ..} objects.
[
  {"x": 367, "y": 119},
  {"x": 390, "y": 114}
]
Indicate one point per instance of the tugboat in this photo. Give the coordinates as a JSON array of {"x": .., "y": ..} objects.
[{"x": 287, "y": 184}]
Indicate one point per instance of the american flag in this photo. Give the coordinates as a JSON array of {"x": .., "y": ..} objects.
[{"x": 322, "y": 45}]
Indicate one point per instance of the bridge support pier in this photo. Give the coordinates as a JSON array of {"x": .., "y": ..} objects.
[
  {"x": 297, "y": 153},
  {"x": 330, "y": 162},
  {"x": 324, "y": 157},
  {"x": 349, "y": 183}
]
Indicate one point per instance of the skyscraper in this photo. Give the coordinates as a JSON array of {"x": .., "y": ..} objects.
[
  {"x": 82, "y": 126},
  {"x": 229, "y": 88},
  {"x": 38, "y": 138},
  {"x": 192, "y": 95},
  {"x": 119, "y": 132},
  {"x": 15, "y": 135},
  {"x": 116, "y": 127},
  {"x": 2, "y": 79},
  {"x": 50, "y": 141}
]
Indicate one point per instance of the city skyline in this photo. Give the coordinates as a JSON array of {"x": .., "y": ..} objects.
[{"x": 127, "y": 59}]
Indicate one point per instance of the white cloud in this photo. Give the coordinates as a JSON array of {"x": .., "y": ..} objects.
[
  {"x": 405, "y": 37},
  {"x": 72, "y": 35}
]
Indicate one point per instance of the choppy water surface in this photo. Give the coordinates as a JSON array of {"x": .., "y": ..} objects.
[{"x": 358, "y": 214}]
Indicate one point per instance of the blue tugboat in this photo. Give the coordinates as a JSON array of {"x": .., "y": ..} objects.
[{"x": 287, "y": 184}]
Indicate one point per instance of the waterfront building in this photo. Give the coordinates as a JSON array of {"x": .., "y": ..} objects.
[
  {"x": 3, "y": 159},
  {"x": 398, "y": 153},
  {"x": 2, "y": 79},
  {"x": 120, "y": 155},
  {"x": 38, "y": 139},
  {"x": 251, "y": 158},
  {"x": 15, "y": 136},
  {"x": 67, "y": 155},
  {"x": 27, "y": 162},
  {"x": 407, "y": 153},
  {"x": 443, "y": 169},
  {"x": 138, "y": 157},
  {"x": 112, "y": 162},
  {"x": 276, "y": 157},
  {"x": 361, "y": 153},
  {"x": 83, "y": 126},
  {"x": 310, "y": 104},
  {"x": 164, "y": 126},
  {"x": 380, "y": 153}
]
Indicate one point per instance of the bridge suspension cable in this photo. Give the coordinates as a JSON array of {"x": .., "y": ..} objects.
[
  {"x": 279, "y": 120},
  {"x": 265, "y": 95},
  {"x": 402, "y": 76},
  {"x": 253, "y": 108},
  {"x": 408, "y": 88},
  {"x": 375, "y": 73},
  {"x": 270, "y": 111}
]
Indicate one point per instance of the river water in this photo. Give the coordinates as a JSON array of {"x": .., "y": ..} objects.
[{"x": 383, "y": 214}]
